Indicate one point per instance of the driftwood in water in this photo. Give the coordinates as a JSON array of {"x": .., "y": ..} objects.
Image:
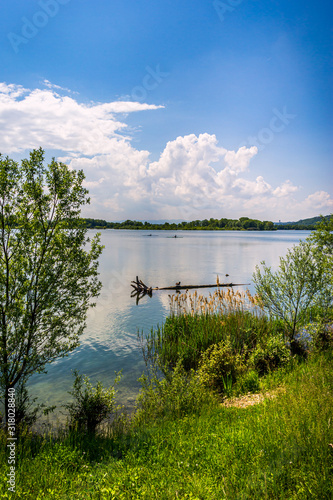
[
  {"x": 188, "y": 287},
  {"x": 141, "y": 288}
]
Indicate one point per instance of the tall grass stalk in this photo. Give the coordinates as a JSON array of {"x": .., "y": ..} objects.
[{"x": 197, "y": 322}]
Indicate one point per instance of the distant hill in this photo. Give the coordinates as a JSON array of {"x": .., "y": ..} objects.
[
  {"x": 308, "y": 224},
  {"x": 313, "y": 220}
]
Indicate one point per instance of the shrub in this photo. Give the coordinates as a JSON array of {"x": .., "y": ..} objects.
[
  {"x": 249, "y": 382},
  {"x": 26, "y": 411},
  {"x": 271, "y": 355},
  {"x": 220, "y": 366},
  {"x": 178, "y": 394},
  {"x": 91, "y": 405},
  {"x": 321, "y": 334}
]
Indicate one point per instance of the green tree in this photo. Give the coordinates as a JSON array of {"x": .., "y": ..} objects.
[
  {"x": 222, "y": 222},
  {"x": 48, "y": 266},
  {"x": 268, "y": 225},
  {"x": 322, "y": 237},
  {"x": 300, "y": 282},
  {"x": 322, "y": 240}
]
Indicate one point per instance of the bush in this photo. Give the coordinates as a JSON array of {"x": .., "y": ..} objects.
[
  {"x": 220, "y": 366},
  {"x": 178, "y": 394},
  {"x": 271, "y": 355},
  {"x": 91, "y": 405},
  {"x": 26, "y": 411},
  {"x": 320, "y": 333},
  {"x": 249, "y": 382}
]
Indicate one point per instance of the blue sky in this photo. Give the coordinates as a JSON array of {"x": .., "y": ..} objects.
[{"x": 175, "y": 110}]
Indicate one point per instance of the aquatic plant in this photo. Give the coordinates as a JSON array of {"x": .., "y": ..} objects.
[{"x": 197, "y": 322}]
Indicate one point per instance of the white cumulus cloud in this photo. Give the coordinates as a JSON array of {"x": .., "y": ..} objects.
[
  {"x": 320, "y": 200},
  {"x": 43, "y": 117},
  {"x": 194, "y": 177}
]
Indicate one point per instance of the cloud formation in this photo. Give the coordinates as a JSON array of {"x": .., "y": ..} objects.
[
  {"x": 43, "y": 116},
  {"x": 193, "y": 178}
]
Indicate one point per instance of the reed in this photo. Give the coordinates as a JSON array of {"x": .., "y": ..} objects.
[{"x": 197, "y": 322}]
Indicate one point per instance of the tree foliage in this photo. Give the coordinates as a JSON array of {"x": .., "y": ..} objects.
[
  {"x": 300, "y": 282},
  {"x": 322, "y": 238},
  {"x": 48, "y": 267},
  {"x": 244, "y": 223}
]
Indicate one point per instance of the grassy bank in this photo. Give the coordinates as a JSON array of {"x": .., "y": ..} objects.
[{"x": 280, "y": 448}]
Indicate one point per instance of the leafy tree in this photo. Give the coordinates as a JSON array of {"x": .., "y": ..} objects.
[
  {"x": 322, "y": 237},
  {"x": 48, "y": 267},
  {"x": 222, "y": 222},
  {"x": 299, "y": 283},
  {"x": 268, "y": 225},
  {"x": 322, "y": 240}
]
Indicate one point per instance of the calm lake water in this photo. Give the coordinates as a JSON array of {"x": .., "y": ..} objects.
[{"x": 110, "y": 342}]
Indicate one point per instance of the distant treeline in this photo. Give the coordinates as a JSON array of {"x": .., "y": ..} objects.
[
  {"x": 306, "y": 224},
  {"x": 297, "y": 226},
  {"x": 242, "y": 224}
]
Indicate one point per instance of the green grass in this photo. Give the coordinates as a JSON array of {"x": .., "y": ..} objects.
[{"x": 279, "y": 449}]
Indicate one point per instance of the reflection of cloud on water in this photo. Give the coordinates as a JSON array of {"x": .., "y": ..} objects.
[
  {"x": 115, "y": 335},
  {"x": 113, "y": 295}
]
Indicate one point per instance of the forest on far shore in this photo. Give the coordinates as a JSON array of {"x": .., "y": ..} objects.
[{"x": 241, "y": 224}]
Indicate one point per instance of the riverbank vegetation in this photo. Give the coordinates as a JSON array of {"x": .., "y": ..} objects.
[{"x": 303, "y": 224}]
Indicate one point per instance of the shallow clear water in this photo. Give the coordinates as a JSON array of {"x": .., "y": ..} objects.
[{"x": 110, "y": 342}]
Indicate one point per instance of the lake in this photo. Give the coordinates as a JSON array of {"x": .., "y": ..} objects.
[{"x": 110, "y": 342}]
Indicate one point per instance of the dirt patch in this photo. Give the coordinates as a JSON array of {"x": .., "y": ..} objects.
[{"x": 251, "y": 399}]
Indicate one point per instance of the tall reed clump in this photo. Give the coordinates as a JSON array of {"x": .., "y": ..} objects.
[{"x": 197, "y": 322}]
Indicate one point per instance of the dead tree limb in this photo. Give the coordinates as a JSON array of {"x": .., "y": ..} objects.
[{"x": 140, "y": 286}]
